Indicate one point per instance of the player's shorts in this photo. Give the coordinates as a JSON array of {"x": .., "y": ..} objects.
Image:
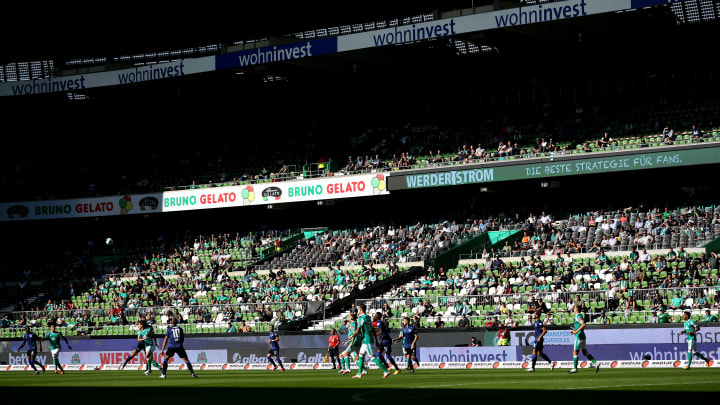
[
  {"x": 274, "y": 352},
  {"x": 32, "y": 353},
  {"x": 691, "y": 345},
  {"x": 351, "y": 349},
  {"x": 385, "y": 346},
  {"x": 580, "y": 344},
  {"x": 149, "y": 348},
  {"x": 539, "y": 345},
  {"x": 55, "y": 352},
  {"x": 179, "y": 350},
  {"x": 367, "y": 348},
  {"x": 408, "y": 351},
  {"x": 140, "y": 347},
  {"x": 334, "y": 351}
]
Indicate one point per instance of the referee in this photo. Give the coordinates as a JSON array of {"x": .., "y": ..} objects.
[{"x": 333, "y": 346}]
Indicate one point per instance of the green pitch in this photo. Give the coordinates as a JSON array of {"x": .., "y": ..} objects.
[{"x": 327, "y": 387}]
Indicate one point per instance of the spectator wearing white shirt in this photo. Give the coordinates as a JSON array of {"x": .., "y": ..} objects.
[{"x": 644, "y": 257}]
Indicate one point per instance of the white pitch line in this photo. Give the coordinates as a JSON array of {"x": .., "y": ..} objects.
[{"x": 643, "y": 385}]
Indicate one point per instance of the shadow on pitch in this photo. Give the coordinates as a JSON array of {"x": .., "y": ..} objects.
[{"x": 317, "y": 396}]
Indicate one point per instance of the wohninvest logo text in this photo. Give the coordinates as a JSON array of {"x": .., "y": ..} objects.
[{"x": 540, "y": 13}]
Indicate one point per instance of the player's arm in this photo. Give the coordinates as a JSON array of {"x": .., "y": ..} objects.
[
  {"x": 582, "y": 326},
  {"x": 66, "y": 341},
  {"x": 542, "y": 334},
  {"x": 414, "y": 340},
  {"x": 164, "y": 344}
]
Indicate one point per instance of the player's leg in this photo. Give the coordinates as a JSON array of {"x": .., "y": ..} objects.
[
  {"x": 270, "y": 359},
  {"x": 377, "y": 360},
  {"x": 388, "y": 355},
  {"x": 165, "y": 356},
  {"x": 56, "y": 361},
  {"x": 591, "y": 358},
  {"x": 360, "y": 361},
  {"x": 31, "y": 360},
  {"x": 414, "y": 356},
  {"x": 408, "y": 358},
  {"x": 277, "y": 359},
  {"x": 576, "y": 351},
  {"x": 135, "y": 351},
  {"x": 534, "y": 359},
  {"x": 36, "y": 361},
  {"x": 379, "y": 356},
  {"x": 183, "y": 355}
]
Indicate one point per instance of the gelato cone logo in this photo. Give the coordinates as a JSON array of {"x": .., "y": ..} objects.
[
  {"x": 271, "y": 192},
  {"x": 248, "y": 195},
  {"x": 378, "y": 184},
  {"x": 202, "y": 357},
  {"x": 75, "y": 358},
  {"x": 125, "y": 204}
]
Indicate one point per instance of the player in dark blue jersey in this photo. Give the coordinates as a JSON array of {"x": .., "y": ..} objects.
[
  {"x": 409, "y": 336},
  {"x": 31, "y": 339},
  {"x": 274, "y": 341},
  {"x": 174, "y": 339},
  {"x": 540, "y": 331},
  {"x": 385, "y": 341}
]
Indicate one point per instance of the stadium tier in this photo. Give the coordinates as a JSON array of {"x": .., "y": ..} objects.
[{"x": 520, "y": 191}]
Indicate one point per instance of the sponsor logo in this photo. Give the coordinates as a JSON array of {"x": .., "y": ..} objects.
[
  {"x": 613, "y": 364},
  {"x": 482, "y": 364},
  {"x": 630, "y": 364},
  {"x": 75, "y": 359},
  {"x": 234, "y": 366},
  {"x": 202, "y": 357},
  {"x": 511, "y": 364},
  {"x": 454, "y": 365},
  {"x": 176, "y": 366},
  {"x": 324, "y": 366},
  {"x": 525, "y": 365},
  {"x": 76, "y": 367},
  {"x": 18, "y": 367},
  {"x": 258, "y": 366},
  {"x": 125, "y": 204},
  {"x": 272, "y": 192},
  {"x": 248, "y": 195},
  {"x": 469, "y": 365},
  {"x": 676, "y": 364},
  {"x": 378, "y": 184},
  {"x": 303, "y": 366},
  {"x": 496, "y": 365},
  {"x": 212, "y": 366},
  {"x": 18, "y": 211},
  {"x": 90, "y": 367},
  {"x": 149, "y": 203}
]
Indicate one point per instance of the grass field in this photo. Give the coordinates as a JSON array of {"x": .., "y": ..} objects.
[{"x": 327, "y": 387}]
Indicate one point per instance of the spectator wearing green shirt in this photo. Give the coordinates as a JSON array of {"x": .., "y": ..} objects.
[
  {"x": 677, "y": 302},
  {"x": 709, "y": 317},
  {"x": 230, "y": 328},
  {"x": 663, "y": 317}
]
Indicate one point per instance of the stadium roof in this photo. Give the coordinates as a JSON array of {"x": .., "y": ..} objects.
[{"x": 56, "y": 31}]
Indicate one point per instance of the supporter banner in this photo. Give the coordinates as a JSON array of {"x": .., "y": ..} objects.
[
  {"x": 118, "y": 357},
  {"x": 562, "y": 166},
  {"x": 111, "y": 78},
  {"x": 326, "y": 188},
  {"x": 466, "y": 354},
  {"x": 279, "y": 53}
]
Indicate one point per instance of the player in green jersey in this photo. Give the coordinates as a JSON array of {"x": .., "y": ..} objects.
[
  {"x": 54, "y": 338},
  {"x": 147, "y": 337},
  {"x": 353, "y": 346},
  {"x": 690, "y": 328},
  {"x": 368, "y": 343},
  {"x": 580, "y": 342}
]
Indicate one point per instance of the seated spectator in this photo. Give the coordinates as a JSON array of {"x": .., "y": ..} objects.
[
  {"x": 604, "y": 141},
  {"x": 439, "y": 323}
]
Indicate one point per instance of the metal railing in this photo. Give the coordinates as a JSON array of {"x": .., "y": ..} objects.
[
  {"x": 595, "y": 300},
  {"x": 220, "y": 314}
]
